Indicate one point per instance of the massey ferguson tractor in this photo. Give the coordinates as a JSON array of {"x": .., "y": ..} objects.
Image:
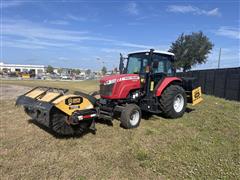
[{"x": 146, "y": 83}]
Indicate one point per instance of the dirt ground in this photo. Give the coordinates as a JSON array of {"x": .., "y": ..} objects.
[
  {"x": 8, "y": 91},
  {"x": 203, "y": 144}
]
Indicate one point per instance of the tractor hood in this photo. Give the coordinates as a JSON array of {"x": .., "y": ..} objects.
[
  {"x": 118, "y": 78},
  {"x": 118, "y": 86}
]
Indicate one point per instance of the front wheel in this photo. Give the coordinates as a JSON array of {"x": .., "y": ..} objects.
[
  {"x": 131, "y": 116},
  {"x": 173, "y": 101}
]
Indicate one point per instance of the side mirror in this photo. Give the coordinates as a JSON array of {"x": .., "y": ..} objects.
[{"x": 121, "y": 64}]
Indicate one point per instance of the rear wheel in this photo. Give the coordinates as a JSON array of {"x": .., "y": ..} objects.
[
  {"x": 173, "y": 101},
  {"x": 58, "y": 123},
  {"x": 131, "y": 116}
]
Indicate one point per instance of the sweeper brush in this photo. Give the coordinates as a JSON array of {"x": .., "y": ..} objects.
[{"x": 64, "y": 114}]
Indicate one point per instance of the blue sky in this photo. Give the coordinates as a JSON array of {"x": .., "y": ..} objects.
[{"x": 90, "y": 34}]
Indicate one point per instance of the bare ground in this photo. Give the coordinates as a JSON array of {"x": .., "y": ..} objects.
[
  {"x": 9, "y": 91},
  {"x": 203, "y": 144}
]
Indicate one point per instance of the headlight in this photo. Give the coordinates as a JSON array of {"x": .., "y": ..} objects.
[{"x": 112, "y": 81}]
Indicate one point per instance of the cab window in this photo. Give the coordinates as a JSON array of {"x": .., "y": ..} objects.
[
  {"x": 136, "y": 63},
  {"x": 162, "y": 64}
]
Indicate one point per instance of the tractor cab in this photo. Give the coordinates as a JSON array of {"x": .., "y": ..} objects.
[
  {"x": 154, "y": 61},
  {"x": 152, "y": 66}
]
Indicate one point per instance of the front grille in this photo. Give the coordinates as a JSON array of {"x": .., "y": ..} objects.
[{"x": 106, "y": 90}]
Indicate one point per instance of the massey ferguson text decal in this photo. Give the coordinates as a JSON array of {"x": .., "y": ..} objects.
[{"x": 128, "y": 78}]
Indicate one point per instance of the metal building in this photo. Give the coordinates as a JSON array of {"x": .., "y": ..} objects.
[{"x": 36, "y": 69}]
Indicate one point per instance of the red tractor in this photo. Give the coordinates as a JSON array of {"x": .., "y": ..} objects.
[{"x": 147, "y": 83}]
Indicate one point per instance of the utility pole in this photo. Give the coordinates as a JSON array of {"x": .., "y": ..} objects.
[
  {"x": 219, "y": 57},
  {"x": 101, "y": 61}
]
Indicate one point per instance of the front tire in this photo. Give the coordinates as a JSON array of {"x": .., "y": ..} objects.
[
  {"x": 131, "y": 116},
  {"x": 173, "y": 101}
]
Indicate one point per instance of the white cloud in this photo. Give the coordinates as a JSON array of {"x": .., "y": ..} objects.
[
  {"x": 181, "y": 9},
  {"x": 25, "y": 34},
  {"x": 126, "y": 44},
  {"x": 16, "y": 44},
  {"x": 33, "y": 43},
  {"x": 135, "y": 23},
  {"x": 230, "y": 32},
  {"x": 213, "y": 12},
  {"x": 132, "y": 8},
  {"x": 193, "y": 9},
  {"x": 63, "y": 58},
  {"x": 108, "y": 25},
  {"x": 26, "y": 29},
  {"x": 7, "y": 4},
  {"x": 75, "y": 18},
  {"x": 113, "y": 50},
  {"x": 57, "y": 22}
]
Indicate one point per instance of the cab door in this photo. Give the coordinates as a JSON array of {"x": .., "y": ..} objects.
[{"x": 161, "y": 67}]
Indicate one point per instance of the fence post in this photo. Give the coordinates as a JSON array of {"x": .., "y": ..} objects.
[
  {"x": 205, "y": 77},
  {"x": 225, "y": 83},
  {"x": 239, "y": 84},
  {"x": 214, "y": 79}
]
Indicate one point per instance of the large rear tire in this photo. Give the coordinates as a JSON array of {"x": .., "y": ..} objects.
[
  {"x": 131, "y": 116},
  {"x": 173, "y": 101},
  {"x": 58, "y": 123}
]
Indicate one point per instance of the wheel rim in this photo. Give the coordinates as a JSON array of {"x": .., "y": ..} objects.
[
  {"x": 178, "y": 103},
  {"x": 134, "y": 118}
]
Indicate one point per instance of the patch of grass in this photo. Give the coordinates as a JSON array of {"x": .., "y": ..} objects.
[
  {"x": 149, "y": 132},
  {"x": 142, "y": 155},
  {"x": 81, "y": 178},
  {"x": 203, "y": 144}
]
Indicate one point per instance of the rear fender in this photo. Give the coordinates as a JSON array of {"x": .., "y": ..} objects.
[{"x": 165, "y": 83}]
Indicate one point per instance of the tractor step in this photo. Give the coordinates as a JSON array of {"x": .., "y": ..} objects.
[
  {"x": 105, "y": 117},
  {"x": 106, "y": 113}
]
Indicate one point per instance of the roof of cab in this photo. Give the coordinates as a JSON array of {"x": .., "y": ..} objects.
[{"x": 155, "y": 51}]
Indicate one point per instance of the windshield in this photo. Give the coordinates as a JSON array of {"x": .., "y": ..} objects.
[
  {"x": 136, "y": 63},
  {"x": 161, "y": 63}
]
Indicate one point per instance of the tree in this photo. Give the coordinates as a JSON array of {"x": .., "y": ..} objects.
[
  {"x": 190, "y": 50},
  {"x": 88, "y": 71},
  {"x": 115, "y": 70},
  {"x": 104, "y": 70},
  {"x": 78, "y": 71},
  {"x": 73, "y": 71},
  {"x": 60, "y": 70},
  {"x": 49, "y": 69}
]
